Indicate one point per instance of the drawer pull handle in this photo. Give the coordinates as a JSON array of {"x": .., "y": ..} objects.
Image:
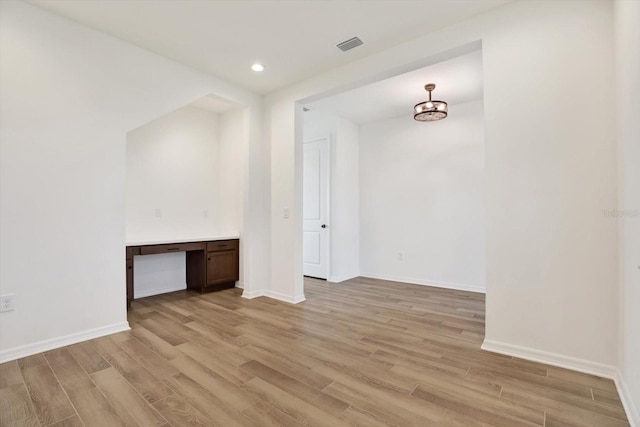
[
  {"x": 129, "y": 267},
  {"x": 209, "y": 259},
  {"x": 173, "y": 249},
  {"x": 222, "y": 246}
]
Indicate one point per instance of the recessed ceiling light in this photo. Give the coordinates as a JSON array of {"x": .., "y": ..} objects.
[{"x": 257, "y": 67}]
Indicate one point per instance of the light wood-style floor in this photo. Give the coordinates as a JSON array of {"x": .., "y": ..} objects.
[{"x": 365, "y": 352}]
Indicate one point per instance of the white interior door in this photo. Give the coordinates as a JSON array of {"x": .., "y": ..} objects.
[{"x": 315, "y": 208}]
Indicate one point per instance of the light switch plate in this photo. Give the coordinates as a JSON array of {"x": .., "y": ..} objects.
[{"x": 6, "y": 303}]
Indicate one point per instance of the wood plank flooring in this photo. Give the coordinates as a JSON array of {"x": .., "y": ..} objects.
[{"x": 362, "y": 353}]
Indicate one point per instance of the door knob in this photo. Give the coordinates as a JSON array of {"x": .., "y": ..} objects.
[{"x": 324, "y": 226}]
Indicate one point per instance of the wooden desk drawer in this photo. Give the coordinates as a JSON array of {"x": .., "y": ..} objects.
[
  {"x": 222, "y": 245},
  {"x": 176, "y": 247}
]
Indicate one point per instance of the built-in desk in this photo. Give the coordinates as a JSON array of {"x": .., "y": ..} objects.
[{"x": 212, "y": 263}]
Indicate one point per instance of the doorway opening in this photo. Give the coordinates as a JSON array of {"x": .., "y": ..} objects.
[{"x": 406, "y": 197}]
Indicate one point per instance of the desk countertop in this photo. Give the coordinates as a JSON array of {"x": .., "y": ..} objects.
[{"x": 226, "y": 236}]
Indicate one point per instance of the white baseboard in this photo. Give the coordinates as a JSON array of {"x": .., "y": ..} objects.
[
  {"x": 286, "y": 298},
  {"x": 338, "y": 279},
  {"x": 253, "y": 294},
  {"x": 275, "y": 295},
  {"x": 446, "y": 285},
  {"x": 157, "y": 291},
  {"x": 633, "y": 416},
  {"x": 573, "y": 363},
  {"x": 53, "y": 343}
]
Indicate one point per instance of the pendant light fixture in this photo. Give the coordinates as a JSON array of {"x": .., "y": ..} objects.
[{"x": 430, "y": 111}]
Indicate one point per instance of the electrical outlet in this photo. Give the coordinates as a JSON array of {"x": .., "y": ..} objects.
[
  {"x": 205, "y": 213},
  {"x": 158, "y": 213},
  {"x": 285, "y": 213},
  {"x": 6, "y": 303},
  {"x": 400, "y": 256}
]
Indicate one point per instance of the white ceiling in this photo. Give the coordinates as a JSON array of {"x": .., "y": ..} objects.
[
  {"x": 457, "y": 80},
  {"x": 293, "y": 39}
]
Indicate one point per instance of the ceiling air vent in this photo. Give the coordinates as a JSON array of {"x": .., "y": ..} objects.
[{"x": 349, "y": 44}]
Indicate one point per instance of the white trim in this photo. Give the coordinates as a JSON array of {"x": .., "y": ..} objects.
[
  {"x": 633, "y": 416},
  {"x": 286, "y": 298},
  {"x": 157, "y": 291},
  {"x": 240, "y": 284},
  {"x": 50, "y": 344},
  {"x": 253, "y": 294},
  {"x": 338, "y": 279},
  {"x": 568, "y": 362},
  {"x": 329, "y": 221},
  {"x": 573, "y": 363},
  {"x": 446, "y": 285},
  {"x": 275, "y": 295}
]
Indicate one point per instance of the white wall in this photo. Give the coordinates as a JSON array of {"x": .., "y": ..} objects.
[
  {"x": 172, "y": 166},
  {"x": 345, "y": 202},
  {"x": 229, "y": 216},
  {"x": 551, "y": 256},
  {"x": 344, "y": 224},
  {"x": 319, "y": 124},
  {"x": 230, "y": 212},
  {"x": 422, "y": 196},
  {"x": 550, "y": 170},
  {"x": 285, "y": 142},
  {"x": 69, "y": 96},
  {"x": 627, "y": 39}
]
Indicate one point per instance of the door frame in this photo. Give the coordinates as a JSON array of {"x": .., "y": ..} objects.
[{"x": 327, "y": 250}]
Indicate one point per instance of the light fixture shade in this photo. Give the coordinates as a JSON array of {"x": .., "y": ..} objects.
[{"x": 431, "y": 110}]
